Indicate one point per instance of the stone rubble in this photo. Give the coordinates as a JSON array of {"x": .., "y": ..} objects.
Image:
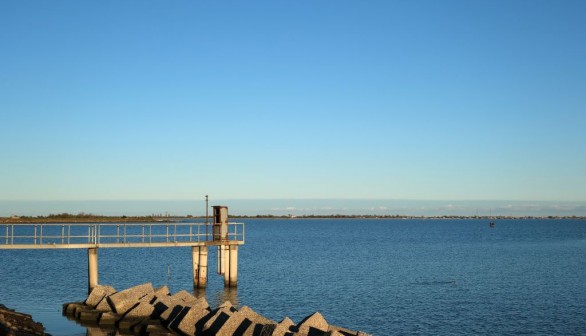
[{"x": 143, "y": 310}]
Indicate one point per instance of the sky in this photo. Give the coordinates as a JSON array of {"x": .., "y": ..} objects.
[{"x": 298, "y": 100}]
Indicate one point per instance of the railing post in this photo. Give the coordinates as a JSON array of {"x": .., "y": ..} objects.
[
  {"x": 35, "y": 235},
  {"x": 62, "y": 234}
]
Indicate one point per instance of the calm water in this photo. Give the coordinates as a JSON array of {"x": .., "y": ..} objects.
[{"x": 386, "y": 277}]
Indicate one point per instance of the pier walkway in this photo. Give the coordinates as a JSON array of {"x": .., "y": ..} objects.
[{"x": 91, "y": 236}]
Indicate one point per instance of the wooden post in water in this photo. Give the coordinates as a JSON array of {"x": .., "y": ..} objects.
[{"x": 92, "y": 268}]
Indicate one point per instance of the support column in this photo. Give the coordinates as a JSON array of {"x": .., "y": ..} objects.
[
  {"x": 200, "y": 266},
  {"x": 92, "y": 268},
  {"x": 231, "y": 268},
  {"x": 233, "y": 265},
  {"x": 222, "y": 259}
]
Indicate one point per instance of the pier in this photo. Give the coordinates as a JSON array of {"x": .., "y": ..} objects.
[{"x": 222, "y": 234}]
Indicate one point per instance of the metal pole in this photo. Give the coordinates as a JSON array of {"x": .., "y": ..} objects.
[{"x": 207, "y": 216}]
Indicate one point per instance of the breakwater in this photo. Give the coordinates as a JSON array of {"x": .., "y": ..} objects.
[{"x": 144, "y": 310}]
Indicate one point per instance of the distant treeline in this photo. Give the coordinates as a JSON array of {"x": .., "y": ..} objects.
[{"x": 88, "y": 217}]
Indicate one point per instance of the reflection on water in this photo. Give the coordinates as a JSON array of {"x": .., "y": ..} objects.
[{"x": 228, "y": 294}]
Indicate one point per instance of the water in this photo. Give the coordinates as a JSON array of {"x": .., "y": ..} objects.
[{"x": 386, "y": 277}]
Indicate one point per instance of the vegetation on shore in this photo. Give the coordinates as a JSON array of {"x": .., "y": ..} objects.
[{"x": 91, "y": 218}]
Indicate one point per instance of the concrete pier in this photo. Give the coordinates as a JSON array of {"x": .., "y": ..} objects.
[
  {"x": 92, "y": 268},
  {"x": 231, "y": 268},
  {"x": 224, "y": 235},
  {"x": 227, "y": 253},
  {"x": 199, "y": 255}
]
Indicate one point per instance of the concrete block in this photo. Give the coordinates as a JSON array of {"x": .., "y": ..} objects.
[
  {"x": 122, "y": 301},
  {"x": 314, "y": 323},
  {"x": 163, "y": 290},
  {"x": 280, "y": 329},
  {"x": 69, "y": 308},
  {"x": 342, "y": 331},
  {"x": 91, "y": 316},
  {"x": 103, "y": 306},
  {"x": 80, "y": 309},
  {"x": 97, "y": 294},
  {"x": 184, "y": 298},
  {"x": 93, "y": 331},
  {"x": 253, "y": 322},
  {"x": 157, "y": 330},
  {"x": 217, "y": 320},
  {"x": 169, "y": 314},
  {"x": 108, "y": 319},
  {"x": 255, "y": 317},
  {"x": 135, "y": 315},
  {"x": 236, "y": 324},
  {"x": 186, "y": 325},
  {"x": 200, "y": 303},
  {"x": 159, "y": 292}
]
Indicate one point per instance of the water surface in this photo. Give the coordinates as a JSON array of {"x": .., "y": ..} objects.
[{"x": 386, "y": 277}]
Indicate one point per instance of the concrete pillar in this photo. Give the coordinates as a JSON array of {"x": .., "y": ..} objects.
[
  {"x": 199, "y": 255},
  {"x": 222, "y": 259},
  {"x": 231, "y": 268},
  {"x": 233, "y": 265},
  {"x": 92, "y": 268}
]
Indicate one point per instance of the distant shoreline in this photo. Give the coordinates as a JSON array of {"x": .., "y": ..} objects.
[{"x": 84, "y": 218}]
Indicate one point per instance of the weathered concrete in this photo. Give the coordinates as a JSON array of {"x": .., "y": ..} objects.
[
  {"x": 122, "y": 301},
  {"x": 109, "y": 319},
  {"x": 104, "y": 306},
  {"x": 231, "y": 265},
  {"x": 146, "y": 309},
  {"x": 135, "y": 315},
  {"x": 97, "y": 294},
  {"x": 183, "y": 297},
  {"x": 187, "y": 324},
  {"x": 313, "y": 323},
  {"x": 92, "y": 268},
  {"x": 69, "y": 308},
  {"x": 279, "y": 329},
  {"x": 217, "y": 320},
  {"x": 199, "y": 255},
  {"x": 159, "y": 292}
]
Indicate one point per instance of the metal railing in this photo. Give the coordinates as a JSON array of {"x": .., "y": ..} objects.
[{"x": 71, "y": 235}]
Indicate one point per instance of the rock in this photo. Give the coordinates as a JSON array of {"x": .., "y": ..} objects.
[
  {"x": 122, "y": 301},
  {"x": 14, "y": 323}
]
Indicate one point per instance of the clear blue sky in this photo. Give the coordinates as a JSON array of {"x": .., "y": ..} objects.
[{"x": 172, "y": 100}]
